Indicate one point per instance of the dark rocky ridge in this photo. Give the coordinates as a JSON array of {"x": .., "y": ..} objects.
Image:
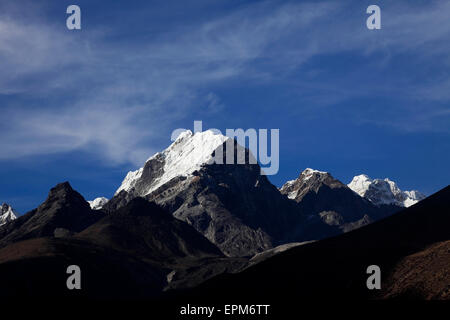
[{"x": 64, "y": 208}]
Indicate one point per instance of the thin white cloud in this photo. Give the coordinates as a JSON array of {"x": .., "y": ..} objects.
[{"x": 121, "y": 98}]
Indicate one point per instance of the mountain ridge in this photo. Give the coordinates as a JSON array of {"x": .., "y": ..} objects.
[{"x": 403, "y": 245}]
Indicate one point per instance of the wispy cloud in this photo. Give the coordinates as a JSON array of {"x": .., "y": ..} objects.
[{"x": 91, "y": 93}]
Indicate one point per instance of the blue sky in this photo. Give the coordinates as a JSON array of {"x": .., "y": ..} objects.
[{"x": 87, "y": 106}]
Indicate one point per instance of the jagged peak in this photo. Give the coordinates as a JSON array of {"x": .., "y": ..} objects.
[
  {"x": 65, "y": 186},
  {"x": 64, "y": 193},
  {"x": 309, "y": 179},
  {"x": 308, "y": 173},
  {"x": 98, "y": 203}
]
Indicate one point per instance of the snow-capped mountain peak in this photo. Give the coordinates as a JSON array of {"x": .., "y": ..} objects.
[
  {"x": 188, "y": 153},
  {"x": 309, "y": 173},
  {"x": 383, "y": 191},
  {"x": 309, "y": 179},
  {"x": 7, "y": 214},
  {"x": 98, "y": 203}
]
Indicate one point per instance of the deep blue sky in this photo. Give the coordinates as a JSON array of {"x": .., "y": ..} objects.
[{"x": 87, "y": 106}]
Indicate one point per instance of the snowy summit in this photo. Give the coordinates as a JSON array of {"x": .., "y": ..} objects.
[
  {"x": 384, "y": 191},
  {"x": 188, "y": 153},
  {"x": 98, "y": 203}
]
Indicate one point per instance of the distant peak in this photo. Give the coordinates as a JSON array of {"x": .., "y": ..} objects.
[
  {"x": 383, "y": 191},
  {"x": 188, "y": 153},
  {"x": 361, "y": 177},
  {"x": 98, "y": 203},
  {"x": 183, "y": 135},
  {"x": 7, "y": 213},
  {"x": 309, "y": 171},
  {"x": 309, "y": 180},
  {"x": 63, "y": 193},
  {"x": 62, "y": 186}
]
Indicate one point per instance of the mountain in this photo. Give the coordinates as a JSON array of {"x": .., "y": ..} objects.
[
  {"x": 410, "y": 247},
  {"x": 384, "y": 192},
  {"x": 98, "y": 203},
  {"x": 319, "y": 193},
  {"x": 63, "y": 212},
  {"x": 135, "y": 251},
  {"x": 7, "y": 214},
  {"x": 232, "y": 205}
]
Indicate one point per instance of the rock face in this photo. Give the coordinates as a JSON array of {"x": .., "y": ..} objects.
[
  {"x": 98, "y": 203},
  {"x": 336, "y": 204},
  {"x": 7, "y": 214},
  {"x": 384, "y": 192},
  {"x": 232, "y": 205},
  {"x": 64, "y": 208}
]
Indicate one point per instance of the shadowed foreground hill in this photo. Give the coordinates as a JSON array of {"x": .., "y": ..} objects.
[
  {"x": 411, "y": 248},
  {"x": 36, "y": 269}
]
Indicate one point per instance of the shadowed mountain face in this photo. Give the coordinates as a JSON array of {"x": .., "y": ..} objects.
[
  {"x": 64, "y": 211},
  {"x": 413, "y": 240},
  {"x": 145, "y": 230}
]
